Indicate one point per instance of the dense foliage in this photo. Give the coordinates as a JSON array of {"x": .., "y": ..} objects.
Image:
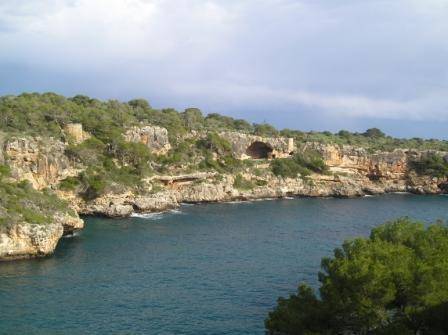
[
  {"x": 302, "y": 163},
  {"x": 431, "y": 165},
  {"x": 394, "y": 282},
  {"x": 112, "y": 164},
  {"x": 45, "y": 114},
  {"x": 19, "y": 202},
  {"x": 370, "y": 139}
]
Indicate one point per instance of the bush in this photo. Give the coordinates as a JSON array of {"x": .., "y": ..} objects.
[
  {"x": 94, "y": 183},
  {"x": 288, "y": 168},
  {"x": 44, "y": 115},
  {"x": 89, "y": 152},
  {"x": 394, "y": 282},
  {"x": 311, "y": 160},
  {"x": 301, "y": 163},
  {"x": 432, "y": 165},
  {"x": 19, "y": 202},
  {"x": 265, "y": 129},
  {"x": 69, "y": 184},
  {"x": 5, "y": 171},
  {"x": 242, "y": 183},
  {"x": 374, "y": 133},
  {"x": 193, "y": 118},
  {"x": 215, "y": 143}
]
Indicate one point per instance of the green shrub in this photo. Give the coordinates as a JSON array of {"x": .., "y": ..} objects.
[
  {"x": 89, "y": 152},
  {"x": 301, "y": 163},
  {"x": 242, "y": 183},
  {"x": 261, "y": 182},
  {"x": 311, "y": 160},
  {"x": 94, "y": 183},
  {"x": 5, "y": 171},
  {"x": 69, "y": 184},
  {"x": 431, "y": 165},
  {"x": 45, "y": 114},
  {"x": 20, "y": 202},
  {"x": 265, "y": 129},
  {"x": 288, "y": 168},
  {"x": 215, "y": 143},
  {"x": 394, "y": 282}
]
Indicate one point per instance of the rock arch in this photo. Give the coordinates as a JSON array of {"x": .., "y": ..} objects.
[{"x": 259, "y": 150}]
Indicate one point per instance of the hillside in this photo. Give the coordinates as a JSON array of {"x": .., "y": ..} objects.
[{"x": 113, "y": 158}]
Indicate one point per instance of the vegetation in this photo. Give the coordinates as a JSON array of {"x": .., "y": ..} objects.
[
  {"x": 242, "y": 183},
  {"x": 45, "y": 114},
  {"x": 301, "y": 163},
  {"x": 371, "y": 140},
  {"x": 394, "y": 282},
  {"x": 432, "y": 165},
  {"x": 20, "y": 202},
  {"x": 113, "y": 164}
]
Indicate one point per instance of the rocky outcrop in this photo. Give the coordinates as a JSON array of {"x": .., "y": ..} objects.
[
  {"x": 154, "y": 137},
  {"x": 352, "y": 172},
  {"x": 246, "y": 146},
  {"x": 26, "y": 240},
  {"x": 29, "y": 240},
  {"x": 40, "y": 161}
]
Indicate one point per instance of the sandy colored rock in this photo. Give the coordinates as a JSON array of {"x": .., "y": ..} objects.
[
  {"x": 29, "y": 240},
  {"x": 154, "y": 137},
  {"x": 40, "y": 161}
]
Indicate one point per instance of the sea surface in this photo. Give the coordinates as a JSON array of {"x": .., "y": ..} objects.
[{"x": 205, "y": 269}]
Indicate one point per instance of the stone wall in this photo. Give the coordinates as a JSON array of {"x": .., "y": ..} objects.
[{"x": 76, "y": 133}]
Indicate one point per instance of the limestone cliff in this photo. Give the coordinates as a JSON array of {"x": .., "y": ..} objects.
[
  {"x": 352, "y": 172},
  {"x": 28, "y": 240},
  {"x": 154, "y": 137},
  {"x": 40, "y": 161},
  {"x": 246, "y": 146}
]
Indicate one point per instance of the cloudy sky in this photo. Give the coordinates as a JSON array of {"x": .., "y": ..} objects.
[{"x": 304, "y": 64}]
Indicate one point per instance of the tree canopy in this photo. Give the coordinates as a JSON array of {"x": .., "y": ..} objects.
[{"x": 394, "y": 282}]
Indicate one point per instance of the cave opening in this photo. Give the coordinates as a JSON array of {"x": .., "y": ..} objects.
[{"x": 259, "y": 150}]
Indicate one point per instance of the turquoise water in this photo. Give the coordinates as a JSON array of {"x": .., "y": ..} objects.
[{"x": 207, "y": 269}]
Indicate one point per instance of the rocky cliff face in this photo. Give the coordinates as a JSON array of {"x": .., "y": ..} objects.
[
  {"x": 43, "y": 163},
  {"x": 353, "y": 172},
  {"x": 26, "y": 240},
  {"x": 40, "y": 161},
  {"x": 154, "y": 137},
  {"x": 243, "y": 143}
]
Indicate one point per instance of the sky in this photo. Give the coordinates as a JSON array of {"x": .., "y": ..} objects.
[{"x": 304, "y": 64}]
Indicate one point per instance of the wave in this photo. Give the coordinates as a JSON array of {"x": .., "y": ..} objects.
[
  {"x": 156, "y": 215},
  {"x": 265, "y": 199},
  {"x": 152, "y": 216},
  {"x": 72, "y": 235}
]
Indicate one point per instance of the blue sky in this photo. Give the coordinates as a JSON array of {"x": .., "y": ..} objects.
[{"x": 305, "y": 64}]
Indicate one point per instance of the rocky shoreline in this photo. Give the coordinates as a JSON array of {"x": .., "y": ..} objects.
[
  {"x": 208, "y": 191},
  {"x": 352, "y": 172}
]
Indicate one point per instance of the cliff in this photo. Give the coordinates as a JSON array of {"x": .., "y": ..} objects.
[
  {"x": 45, "y": 163},
  {"x": 29, "y": 240},
  {"x": 352, "y": 172}
]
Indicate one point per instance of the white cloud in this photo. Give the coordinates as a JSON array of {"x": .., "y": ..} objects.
[
  {"x": 87, "y": 32},
  {"x": 357, "y": 59}
]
